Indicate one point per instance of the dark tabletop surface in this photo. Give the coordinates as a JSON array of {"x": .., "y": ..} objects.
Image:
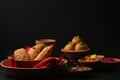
[{"x": 93, "y": 75}]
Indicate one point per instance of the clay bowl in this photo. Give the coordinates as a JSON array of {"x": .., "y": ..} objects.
[
  {"x": 30, "y": 63},
  {"x": 23, "y": 72},
  {"x": 110, "y": 65},
  {"x": 46, "y": 41},
  {"x": 74, "y": 55},
  {"x": 92, "y": 63},
  {"x": 25, "y": 63}
]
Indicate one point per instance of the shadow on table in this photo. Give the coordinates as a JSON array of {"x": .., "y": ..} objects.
[{"x": 62, "y": 76}]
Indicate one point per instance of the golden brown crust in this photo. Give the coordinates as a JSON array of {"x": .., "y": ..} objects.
[
  {"x": 46, "y": 52},
  {"x": 34, "y": 51},
  {"x": 21, "y": 54}
]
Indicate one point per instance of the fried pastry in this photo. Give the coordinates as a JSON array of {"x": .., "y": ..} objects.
[
  {"x": 35, "y": 50},
  {"x": 21, "y": 54},
  {"x": 46, "y": 52}
]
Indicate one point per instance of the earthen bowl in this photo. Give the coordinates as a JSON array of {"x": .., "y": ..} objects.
[
  {"x": 31, "y": 63},
  {"x": 25, "y": 63},
  {"x": 21, "y": 72},
  {"x": 110, "y": 65},
  {"x": 92, "y": 63},
  {"x": 75, "y": 54},
  {"x": 46, "y": 41}
]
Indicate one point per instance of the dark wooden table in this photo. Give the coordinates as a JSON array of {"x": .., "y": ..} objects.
[{"x": 93, "y": 75}]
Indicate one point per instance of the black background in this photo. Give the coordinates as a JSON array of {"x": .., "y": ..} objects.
[{"x": 24, "y": 21}]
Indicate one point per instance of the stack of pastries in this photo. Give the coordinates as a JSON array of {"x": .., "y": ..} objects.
[{"x": 36, "y": 52}]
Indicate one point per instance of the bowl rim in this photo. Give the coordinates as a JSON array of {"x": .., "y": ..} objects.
[
  {"x": 10, "y": 67},
  {"x": 102, "y": 60},
  {"x": 96, "y": 60},
  {"x": 75, "y": 51},
  {"x": 101, "y": 56},
  {"x": 46, "y": 40}
]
